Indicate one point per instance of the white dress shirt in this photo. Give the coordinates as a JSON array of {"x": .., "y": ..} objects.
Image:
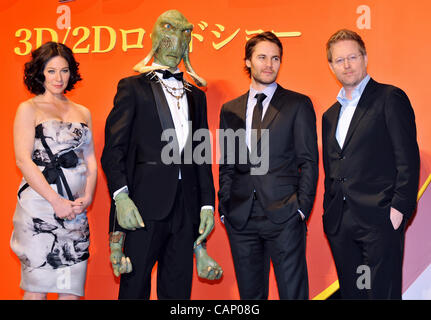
[{"x": 348, "y": 107}]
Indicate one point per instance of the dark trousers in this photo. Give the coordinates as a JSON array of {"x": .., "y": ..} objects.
[
  {"x": 170, "y": 243},
  {"x": 368, "y": 258},
  {"x": 261, "y": 241}
]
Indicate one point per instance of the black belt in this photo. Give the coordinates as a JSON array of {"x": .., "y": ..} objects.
[{"x": 52, "y": 172}]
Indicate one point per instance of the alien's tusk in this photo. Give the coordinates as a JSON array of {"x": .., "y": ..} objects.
[
  {"x": 140, "y": 66},
  {"x": 199, "y": 81}
]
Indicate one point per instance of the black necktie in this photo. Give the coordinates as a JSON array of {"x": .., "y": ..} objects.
[
  {"x": 257, "y": 117},
  {"x": 167, "y": 74}
]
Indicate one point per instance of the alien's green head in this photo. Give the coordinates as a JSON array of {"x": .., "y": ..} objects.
[{"x": 171, "y": 36}]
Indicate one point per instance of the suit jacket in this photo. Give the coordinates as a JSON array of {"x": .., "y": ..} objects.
[
  {"x": 378, "y": 166},
  {"x": 133, "y": 148},
  {"x": 290, "y": 183}
]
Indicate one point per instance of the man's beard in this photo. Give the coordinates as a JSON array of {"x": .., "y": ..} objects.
[{"x": 259, "y": 80}]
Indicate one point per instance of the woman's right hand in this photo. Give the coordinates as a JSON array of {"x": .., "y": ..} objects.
[{"x": 63, "y": 208}]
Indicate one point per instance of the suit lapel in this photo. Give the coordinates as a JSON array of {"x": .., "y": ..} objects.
[
  {"x": 273, "y": 108},
  {"x": 361, "y": 109},
  {"x": 238, "y": 116},
  {"x": 242, "y": 109},
  {"x": 333, "y": 119},
  {"x": 191, "y": 104}
]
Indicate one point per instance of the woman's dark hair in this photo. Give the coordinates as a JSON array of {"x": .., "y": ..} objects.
[
  {"x": 252, "y": 42},
  {"x": 33, "y": 70}
]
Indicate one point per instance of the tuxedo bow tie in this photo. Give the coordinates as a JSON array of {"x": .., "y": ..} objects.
[{"x": 167, "y": 74}]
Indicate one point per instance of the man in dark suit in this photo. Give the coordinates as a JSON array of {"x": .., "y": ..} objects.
[
  {"x": 162, "y": 197},
  {"x": 265, "y": 203},
  {"x": 371, "y": 162}
]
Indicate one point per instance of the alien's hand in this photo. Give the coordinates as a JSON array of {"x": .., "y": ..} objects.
[
  {"x": 206, "y": 266},
  {"x": 128, "y": 216},
  {"x": 120, "y": 263}
]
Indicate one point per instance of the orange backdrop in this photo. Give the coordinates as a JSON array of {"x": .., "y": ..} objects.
[{"x": 105, "y": 35}]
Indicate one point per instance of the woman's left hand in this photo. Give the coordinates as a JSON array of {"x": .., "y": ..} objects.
[{"x": 79, "y": 206}]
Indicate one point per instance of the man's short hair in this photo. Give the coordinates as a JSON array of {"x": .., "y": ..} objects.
[{"x": 341, "y": 35}]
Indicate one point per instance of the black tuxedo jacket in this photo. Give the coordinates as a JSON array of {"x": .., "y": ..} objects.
[
  {"x": 378, "y": 166},
  {"x": 290, "y": 183},
  {"x": 133, "y": 148}
]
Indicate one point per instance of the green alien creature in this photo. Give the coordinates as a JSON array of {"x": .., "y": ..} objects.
[{"x": 161, "y": 212}]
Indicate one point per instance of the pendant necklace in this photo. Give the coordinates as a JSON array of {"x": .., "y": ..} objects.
[{"x": 172, "y": 91}]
